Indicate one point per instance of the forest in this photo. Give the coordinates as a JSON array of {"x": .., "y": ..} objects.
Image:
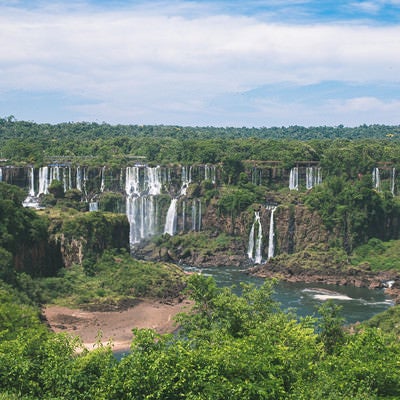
[{"x": 228, "y": 346}]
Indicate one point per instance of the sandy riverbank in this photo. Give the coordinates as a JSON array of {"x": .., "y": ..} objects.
[{"x": 114, "y": 326}]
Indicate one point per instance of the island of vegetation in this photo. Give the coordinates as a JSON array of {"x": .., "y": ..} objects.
[{"x": 290, "y": 203}]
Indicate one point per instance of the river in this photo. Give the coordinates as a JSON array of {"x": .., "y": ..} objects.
[{"x": 358, "y": 304}]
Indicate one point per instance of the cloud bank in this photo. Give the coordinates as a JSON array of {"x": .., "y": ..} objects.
[{"x": 190, "y": 64}]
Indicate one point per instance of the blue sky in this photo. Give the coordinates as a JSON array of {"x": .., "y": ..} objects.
[{"x": 222, "y": 63}]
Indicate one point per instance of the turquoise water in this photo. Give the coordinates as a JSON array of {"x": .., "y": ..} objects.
[{"x": 358, "y": 304}]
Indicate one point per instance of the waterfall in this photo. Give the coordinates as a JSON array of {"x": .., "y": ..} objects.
[
  {"x": 309, "y": 178},
  {"x": 271, "y": 245},
  {"x": 183, "y": 215},
  {"x": 255, "y": 245},
  {"x": 93, "y": 206},
  {"x": 199, "y": 224},
  {"x": 1, "y": 174},
  {"x": 250, "y": 247},
  {"x": 102, "y": 184},
  {"x": 142, "y": 184},
  {"x": 393, "y": 180},
  {"x": 69, "y": 178},
  {"x": 318, "y": 179},
  {"x": 132, "y": 183},
  {"x": 154, "y": 181},
  {"x": 376, "y": 180},
  {"x": 170, "y": 223},
  {"x": 65, "y": 180},
  {"x": 194, "y": 218},
  {"x": 186, "y": 180},
  {"x": 210, "y": 173},
  {"x": 78, "y": 179},
  {"x": 43, "y": 180},
  {"x": 32, "y": 182},
  {"x": 294, "y": 179}
]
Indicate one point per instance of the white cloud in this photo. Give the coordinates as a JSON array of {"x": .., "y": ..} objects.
[{"x": 144, "y": 62}]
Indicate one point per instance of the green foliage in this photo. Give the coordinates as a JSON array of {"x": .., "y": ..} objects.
[
  {"x": 355, "y": 210},
  {"x": 198, "y": 242},
  {"x": 56, "y": 188},
  {"x": 229, "y": 347},
  {"x": 387, "y": 321},
  {"x": 330, "y": 326},
  {"x": 379, "y": 255},
  {"x": 234, "y": 200},
  {"x": 97, "y": 231},
  {"x": 116, "y": 280}
]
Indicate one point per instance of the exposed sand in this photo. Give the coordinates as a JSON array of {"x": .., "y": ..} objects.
[{"x": 114, "y": 326}]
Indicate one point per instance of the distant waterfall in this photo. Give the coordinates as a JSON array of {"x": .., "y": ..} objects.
[
  {"x": 392, "y": 181},
  {"x": 196, "y": 215},
  {"x": 32, "y": 182},
  {"x": 255, "y": 240},
  {"x": 309, "y": 178},
  {"x": 271, "y": 244},
  {"x": 171, "y": 219},
  {"x": 210, "y": 173},
  {"x": 376, "y": 180},
  {"x": 102, "y": 184},
  {"x": 132, "y": 181},
  {"x": 142, "y": 184},
  {"x": 43, "y": 180},
  {"x": 186, "y": 180},
  {"x": 170, "y": 223},
  {"x": 256, "y": 176},
  {"x": 1, "y": 174},
  {"x": 294, "y": 179},
  {"x": 78, "y": 179},
  {"x": 313, "y": 177},
  {"x": 154, "y": 181}
]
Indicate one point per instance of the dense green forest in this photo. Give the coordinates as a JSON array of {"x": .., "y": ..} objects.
[
  {"x": 29, "y": 142},
  {"x": 229, "y": 346}
]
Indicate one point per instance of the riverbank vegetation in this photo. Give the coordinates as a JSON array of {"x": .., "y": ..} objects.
[{"x": 237, "y": 347}]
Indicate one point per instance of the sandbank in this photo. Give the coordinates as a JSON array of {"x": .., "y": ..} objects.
[{"x": 114, "y": 327}]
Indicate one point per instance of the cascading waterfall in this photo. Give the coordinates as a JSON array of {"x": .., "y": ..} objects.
[
  {"x": 1, "y": 174},
  {"x": 32, "y": 182},
  {"x": 309, "y": 178},
  {"x": 170, "y": 223},
  {"x": 294, "y": 179},
  {"x": 171, "y": 219},
  {"x": 43, "y": 180},
  {"x": 69, "y": 178},
  {"x": 271, "y": 244},
  {"x": 79, "y": 178},
  {"x": 210, "y": 173},
  {"x": 392, "y": 181},
  {"x": 183, "y": 215},
  {"x": 255, "y": 243},
  {"x": 65, "y": 180},
  {"x": 376, "y": 180},
  {"x": 194, "y": 215},
  {"x": 102, "y": 184},
  {"x": 154, "y": 181},
  {"x": 318, "y": 179},
  {"x": 199, "y": 223},
  {"x": 142, "y": 184}
]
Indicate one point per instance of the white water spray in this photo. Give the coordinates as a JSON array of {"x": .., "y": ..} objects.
[
  {"x": 255, "y": 243},
  {"x": 271, "y": 244},
  {"x": 294, "y": 179}
]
